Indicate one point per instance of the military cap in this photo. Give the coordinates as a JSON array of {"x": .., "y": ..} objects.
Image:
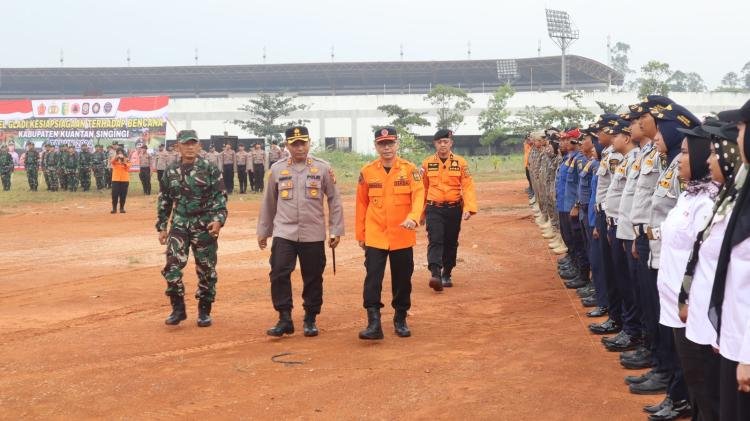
[
  {"x": 386, "y": 133},
  {"x": 443, "y": 134},
  {"x": 184, "y": 136},
  {"x": 734, "y": 116},
  {"x": 619, "y": 127},
  {"x": 605, "y": 120},
  {"x": 296, "y": 133},
  {"x": 675, "y": 112},
  {"x": 700, "y": 131}
]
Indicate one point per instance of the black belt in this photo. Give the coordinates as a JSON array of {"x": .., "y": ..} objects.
[
  {"x": 640, "y": 229},
  {"x": 612, "y": 222},
  {"x": 444, "y": 204},
  {"x": 599, "y": 208}
]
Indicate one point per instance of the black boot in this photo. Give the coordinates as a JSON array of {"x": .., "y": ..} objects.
[
  {"x": 283, "y": 326},
  {"x": 308, "y": 326},
  {"x": 374, "y": 330},
  {"x": 399, "y": 323},
  {"x": 178, "y": 310},
  {"x": 204, "y": 314}
]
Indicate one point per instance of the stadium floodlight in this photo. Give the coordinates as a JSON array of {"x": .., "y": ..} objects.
[
  {"x": 563, "y": 33},
  {"x": 507, "y": 70}
]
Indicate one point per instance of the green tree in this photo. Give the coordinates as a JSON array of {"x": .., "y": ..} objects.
[
  {"x": 730, "y": 82},
  {"x": 654, "y": 79},
  {"x": 266, "y": 111},
  {"x": 404, "y": 120},
  {"x": 531, "y": 118},
  {"x": 608, "y": 108},
  {"x": 451, "y": 104},
  {"x": 574, "y": 115},
  {"x": 494, "y": 120},
  {"x": 619, "y": 58},
  {"x": 746, "y": 75},
  {"x": 686, "y": 82}
]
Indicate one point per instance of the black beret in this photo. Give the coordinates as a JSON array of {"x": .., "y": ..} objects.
[
  {"x": 675, "y": 112},
  {"x": 620, "y": 126},
  {"x": 442, "y": 134},
  {"x": 734, "y": 116},
  {"x": 386, "y": 133}
]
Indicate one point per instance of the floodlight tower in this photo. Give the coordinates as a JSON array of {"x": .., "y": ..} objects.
[
  {"x": 507, "y": 71},
  {"x": 563, "y": 33}
]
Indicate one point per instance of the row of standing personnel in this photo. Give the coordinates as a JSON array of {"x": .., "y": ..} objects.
[
  {"x": 394, "y": 196},
  {"x": 652, "y": 206}
]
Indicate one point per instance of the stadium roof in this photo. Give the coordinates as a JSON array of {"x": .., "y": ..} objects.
[{"x": 352, "y": 78}]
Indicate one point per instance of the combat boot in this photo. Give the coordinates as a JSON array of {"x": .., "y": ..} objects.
[
  {"x": 204, "y": 313},
  {"x": 399, "y": 324},
  {"x": 308, "y": 326},
  {"x": 374, "y": 330},
  {"x": 283, "y": 326},
  {"x": 178, "y": 310}
]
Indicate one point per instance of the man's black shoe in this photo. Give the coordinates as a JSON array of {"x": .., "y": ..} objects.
[
  {"x": 655, "y": 384},
  {"x": 568, "y": 274},
  {"x": 435, "y": 283},
  {"x": 673, "y": 413},
  {"x": 576, "y": 283},
  {"x": 612, "y": 339},
  {"x": 635, "y": 354},
  {"x": 399, "y": 324},
  {"x": 308, "y": 326},
  {"x": 447, "y": 281},
  {"x": 204, "y": 314},
  {"x": 565, "y": 260},
  {"x": 178, "y": 310},
  {"x": 588, "y": 301},
  {"x": 624, "y": 343},
  {"x": 605, "y": 328},
  {"x": 640, "y": 359},
  {"x": 586, "y": 291},
  {"x": 283, "y": 326},
  {"x": 652, "y": 409},
  {"x": 374, "y": 330},
  {"x": 639, "y": 379},
  {"x": 597, "y": 312}
]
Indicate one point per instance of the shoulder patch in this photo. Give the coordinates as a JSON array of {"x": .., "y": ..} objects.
[{"x": 417, "y": 176}]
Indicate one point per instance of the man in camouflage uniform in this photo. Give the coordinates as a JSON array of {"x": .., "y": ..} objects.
[
  {"x": 6, "y": 166},
  {"x": 192, "y": 193},
  {"x": 85, "y": 161},
  {"x": 70, "y": 168},
  {"x": 51, "y": 164},
  {"x": 32, "y": 166},
  {"x": 62, "y": 159},
  {"x": 99, "y": 163}
]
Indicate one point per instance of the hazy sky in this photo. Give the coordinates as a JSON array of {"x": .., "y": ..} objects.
[{"x": 711, "y": 38}]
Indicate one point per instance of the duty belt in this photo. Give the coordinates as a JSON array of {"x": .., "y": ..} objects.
[
  {"x": 611, "y": 222},
  {"x": 639, "y": 229},
  {"x": 444, "y": 204}
]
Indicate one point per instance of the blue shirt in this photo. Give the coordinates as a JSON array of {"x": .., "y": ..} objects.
[
  {"x": 594, "y": 185},
  {"x": 584, "y": 181},
  {"x": 562, "y": 174},
  {"x": 571, "y": 180}
]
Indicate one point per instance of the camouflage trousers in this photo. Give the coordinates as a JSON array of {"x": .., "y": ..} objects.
[
  {"x": 71, "y": 178},
  {"x": 84, "y": 175},
  {"x": 100, "y": 174},
  {"x": 32, "y": 174},
  {"x": 50, "y": 176},
  {"x": 6, "y": 180},
  {"x": 63, "y": 179},
  {"x": 181, "y": 239}
]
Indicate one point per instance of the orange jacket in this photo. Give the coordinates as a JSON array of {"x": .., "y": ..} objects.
[
  {"x": 526, "y": 152},
  {"x": 449, "y": 181},
  {"x": 385, "y": 200},
  {"x": 120, "y": 170}
]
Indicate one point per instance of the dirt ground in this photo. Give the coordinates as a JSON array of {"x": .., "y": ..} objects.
[{"x": 82, "y": 332}]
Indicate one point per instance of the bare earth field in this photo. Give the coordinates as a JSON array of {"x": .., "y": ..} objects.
[{"x": 82, "y": 333}]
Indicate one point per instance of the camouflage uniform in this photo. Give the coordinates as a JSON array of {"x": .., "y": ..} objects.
[
  {"x": 553, "y": 166},
  {"x": 70, "y": 169},
  {"x": 51, "y": 164},
  {"x": 194, "y": 197},
  {"x": 32, "y": 168},
  {"x": 99, "y": 163},
  {"x": 62, "y": 157},
  {"x": 85, "y": 159},
  {"x": 6, "y": 167}
]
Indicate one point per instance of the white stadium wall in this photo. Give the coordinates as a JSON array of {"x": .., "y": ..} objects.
[{"x": 354, "y": 116}]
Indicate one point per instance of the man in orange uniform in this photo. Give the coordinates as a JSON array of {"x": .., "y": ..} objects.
[
  {"x": 390, "y": 197},
  {"x": 450, "y": 198}
]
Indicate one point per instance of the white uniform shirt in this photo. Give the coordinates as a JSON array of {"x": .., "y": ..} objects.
[
  {"x": 735, "y": 314},
  {"x": 699, "y": 329},
  {"x": 679, "y": 232}
]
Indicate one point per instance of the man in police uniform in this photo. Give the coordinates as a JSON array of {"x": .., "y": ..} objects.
[
  {"x": 161, "y": 157},
  {"x": 450, "y": 198},
  {"x": 242, "y": 160},
  {"x": 292, "y": 213},
  {"x": 228, "y": 163},
  {"x": 274, "y": 154},
  {"x": 258, "y": 159},
  {"x": 192, "y": 193},
  {"x": 390, "y": 201}
]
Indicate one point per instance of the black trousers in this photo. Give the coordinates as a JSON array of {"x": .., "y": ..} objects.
[
  {"x": 229, "y": 178},
  {"x": 145, "y": 176},
  {"x": 242, "y": 177},
  {"x": 735, "y": 405},
  {"x": 402, "y": 267},
  {"x": 700, "y": 366},
  {"x": 443, "y": 226},
  {"x": 159, "y": 175},
  {"x": 119, "y": 193},
  {"x": 312, "y": 260},
  {"x": 608, "y": 269},
  {"x": 631, "y": 322},
  {"x": 258, "y": 173}
]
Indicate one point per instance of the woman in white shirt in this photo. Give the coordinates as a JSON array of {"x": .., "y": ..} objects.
[
  {"x": 679, "y": 231},
  {"x": 729, "y": 309}
]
